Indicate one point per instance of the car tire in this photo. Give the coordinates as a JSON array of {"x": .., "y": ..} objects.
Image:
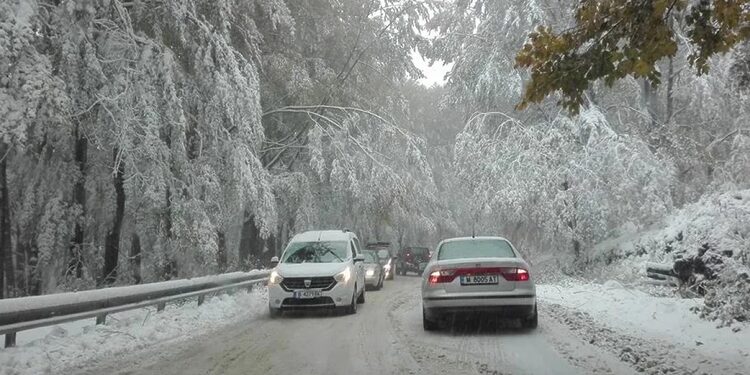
[
  {"x": 274, "y": 312},
  {"x": 532, "y": 321},
  {"x": 429, "y": 324},
  {"x": 361, "y": 298},
  {"x": 352, "y": 308}
]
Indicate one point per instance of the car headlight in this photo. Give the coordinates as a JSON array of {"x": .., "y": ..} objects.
[
  {"x": 370, "y": 272},
  {"x": 344, "y": 276},
  {"x": 387, "y": 267},
  {"x": 274, "y": 278}
]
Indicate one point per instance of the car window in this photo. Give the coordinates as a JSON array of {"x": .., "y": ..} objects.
[
  {"x": 370, "y": 256},
  {"x": 482, "y": 248},
  {"x": 357, "y": 248},
  {"x": 316, "y": 252},
  {"x": 384, "y": 254}
]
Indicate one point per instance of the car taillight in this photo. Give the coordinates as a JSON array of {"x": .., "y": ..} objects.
[
  {"x": 442, "y": 276},
  {"x": 515, "y": 274}
]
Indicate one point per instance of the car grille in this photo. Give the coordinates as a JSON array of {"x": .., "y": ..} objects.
[
  {"x": 293, "y": 283},
  {"x": 308, "y": 302}
]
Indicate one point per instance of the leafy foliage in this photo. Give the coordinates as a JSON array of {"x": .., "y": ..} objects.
[{"x": 613, "y": 39}]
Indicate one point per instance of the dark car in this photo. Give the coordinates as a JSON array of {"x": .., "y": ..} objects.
[
  {"x": 386, "y": 256},
  {"x": 413, "y": 259}
]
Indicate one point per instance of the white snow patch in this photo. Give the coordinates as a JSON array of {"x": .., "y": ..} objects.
[
  {"x": 669, "y": 319},
  {"x": 57, "y": 349}
]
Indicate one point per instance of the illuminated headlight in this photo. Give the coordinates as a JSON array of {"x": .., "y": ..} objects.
[
  {"x": 344, "y": 276},
  {"x": 370, "y": 272},
  {"x": 274, "y": 278},
  {"x": 387, "y": 267}
]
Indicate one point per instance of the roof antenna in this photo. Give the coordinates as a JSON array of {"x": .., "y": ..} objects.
[{"x": 473, "y": 224}]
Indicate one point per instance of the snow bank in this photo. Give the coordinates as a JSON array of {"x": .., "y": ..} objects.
[
  {"x": 62, "y": 348},
  {"x": 709, "y": 238},
  {"x": 666, "y": 319}
]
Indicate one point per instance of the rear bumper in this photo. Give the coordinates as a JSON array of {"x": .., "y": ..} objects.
[
  {"x": 518, "y": 305},
  {"x": 507, "y": 311}
]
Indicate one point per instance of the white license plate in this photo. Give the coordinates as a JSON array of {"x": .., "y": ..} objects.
[
  {"x": 305, "y": 294},
  {"x": 479, "y": 279}
]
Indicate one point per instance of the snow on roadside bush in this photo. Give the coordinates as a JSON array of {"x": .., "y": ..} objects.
[{"x": 709, "y": 244}]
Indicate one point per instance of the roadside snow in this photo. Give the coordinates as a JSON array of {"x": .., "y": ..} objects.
[
  {"x": 664, "y": 319},
  {"x": 64, "y": 348}
]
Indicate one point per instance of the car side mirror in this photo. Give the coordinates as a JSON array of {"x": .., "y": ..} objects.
[
  {"x": 359, "y": 258},
  {"x": 274, "y": 261}
]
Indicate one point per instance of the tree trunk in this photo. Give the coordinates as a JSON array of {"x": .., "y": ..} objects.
[
  {"x": 221, "y": 254},
  {"x": 648, "y": 102},
  {"x": 135, "y": 257},
  {"x": 168, "y": 214},
  {"x": 249, "y": 241},
  {"x": 6, "y": 278},
  {"x": 670, "y": 91},
  {"x": 112, "y": 244},
  {"x": 75, "y": 262}
]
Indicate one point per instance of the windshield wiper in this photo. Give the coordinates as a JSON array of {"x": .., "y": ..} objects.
[{"x": 327, "y": 250}]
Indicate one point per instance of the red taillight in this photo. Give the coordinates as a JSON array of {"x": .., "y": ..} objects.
[
  {"x": 442, "y": 276},
  {"x": 515, "y": 274},
  {"x": 448, "y": 275}
]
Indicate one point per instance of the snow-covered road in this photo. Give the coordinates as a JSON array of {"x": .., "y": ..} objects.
[
  {"x": 384, "y": 337},
  {"x": 580, "y": 332}
]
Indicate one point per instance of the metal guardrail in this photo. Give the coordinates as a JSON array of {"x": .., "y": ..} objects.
[{"x": 18, "y": 314}]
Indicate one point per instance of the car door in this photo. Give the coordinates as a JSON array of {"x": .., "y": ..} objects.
[{"x": 358, "y": 266}]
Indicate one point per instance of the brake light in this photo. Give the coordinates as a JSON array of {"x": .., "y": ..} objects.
[
  {"x": 442, "y": 276},
  {"x": 448, "y": 275},
  {"x": 515, "y": 274}
]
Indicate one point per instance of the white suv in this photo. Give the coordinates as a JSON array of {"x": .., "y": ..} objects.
[{"x": 318, "y": 269}]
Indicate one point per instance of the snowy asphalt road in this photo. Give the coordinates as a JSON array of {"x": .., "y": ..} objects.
[{"x": 384, "y": 337}]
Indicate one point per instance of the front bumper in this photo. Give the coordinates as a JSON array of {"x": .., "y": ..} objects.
[
  {"x": 372, "y": 280},
  {"x": 340, "y": 295}
]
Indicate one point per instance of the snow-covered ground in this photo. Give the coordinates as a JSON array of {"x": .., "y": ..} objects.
[
  {"x": 66, "y": 347},
  {"x": 663, "y": 322}
]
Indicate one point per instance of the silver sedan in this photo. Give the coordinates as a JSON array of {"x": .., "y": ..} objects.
[
  {"x": 374, "y": 272},
  {"x": 477, "y": 274}
]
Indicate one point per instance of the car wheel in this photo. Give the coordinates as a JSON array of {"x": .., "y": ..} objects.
[
  {"x": 352, "y": 308},
  {"x": 274, "y": 312},
  {"x": 532, "y": 321},
  {"x": 361, "y": 298},
  {"x": 429, "y": 324}
]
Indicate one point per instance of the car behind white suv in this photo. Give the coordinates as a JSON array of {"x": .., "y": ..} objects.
[
  {"x": 318, "y": 269},
  {"x": 477, "y": 274}
]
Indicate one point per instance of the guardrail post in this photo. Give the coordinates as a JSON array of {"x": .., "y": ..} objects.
[
  {"x": 10, "y": 340},
  {"x": 100, "y": 319},
  {"x": 160, "y": 306},
  {"x": 201, "y": 298}
]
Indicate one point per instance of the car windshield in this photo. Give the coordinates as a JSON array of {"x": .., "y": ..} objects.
[
  {"x": 383, "y": 255},
  {"x": 370, "y": 257},
  {"x": 316, "y": 252},
  {"x": 475, "y": 248}
]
